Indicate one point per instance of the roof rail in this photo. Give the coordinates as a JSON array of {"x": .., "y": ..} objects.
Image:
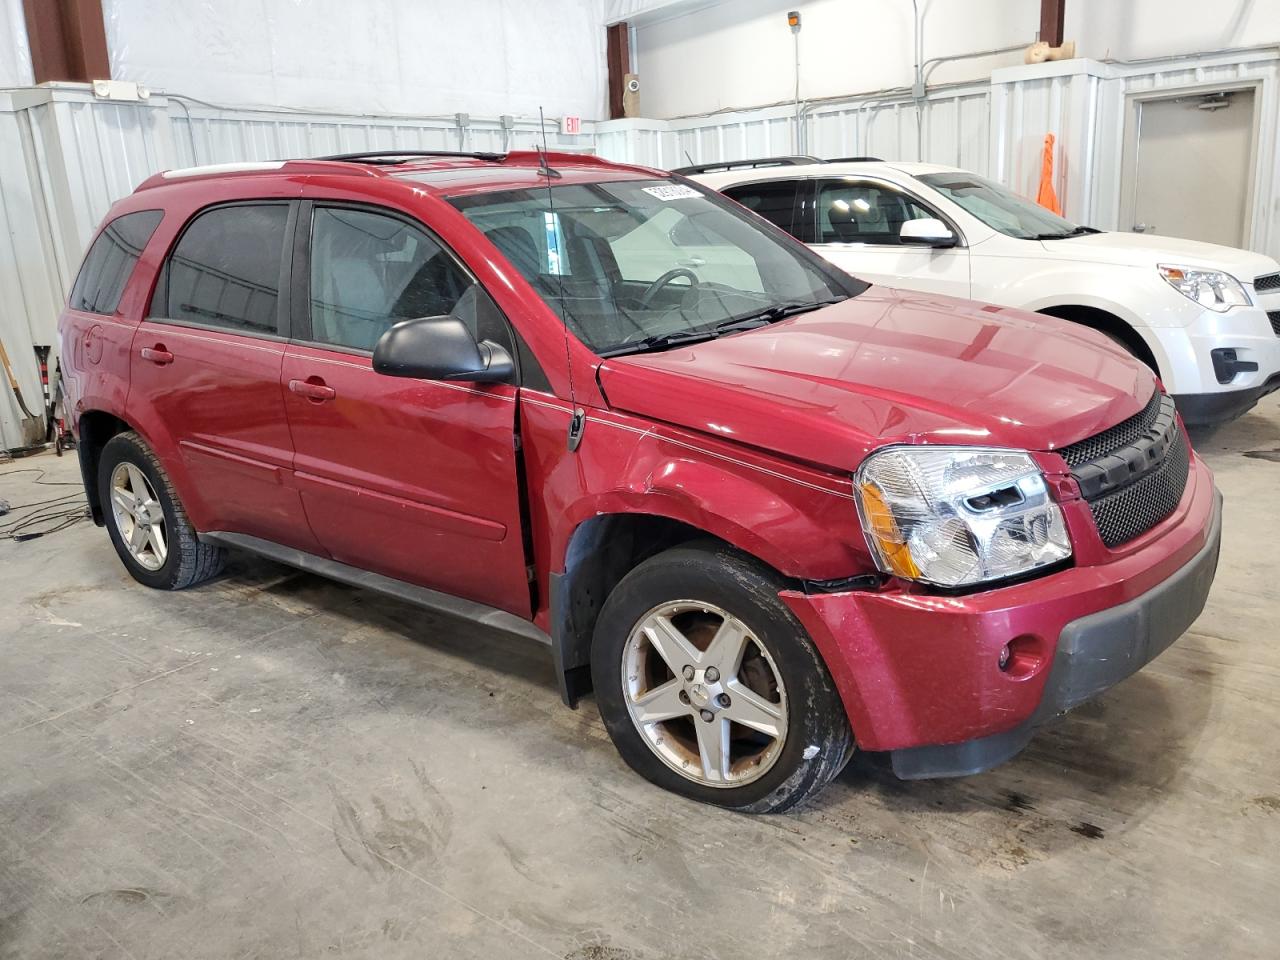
[
  {"x": 855, "y": 160},
  {"x": 400, "y": 156},
  {"x": 747, "y": 164}
]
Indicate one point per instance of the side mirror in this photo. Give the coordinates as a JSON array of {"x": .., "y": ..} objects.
[
  {"x": 927, "y": 232},
  {"x": 440, "y": 348}
]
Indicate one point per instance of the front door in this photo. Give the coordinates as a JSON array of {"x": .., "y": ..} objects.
[
  {"x": 206, "y": 364},
  {"x": 412, "y": 479},
  {"x": 858, "y": 228}
]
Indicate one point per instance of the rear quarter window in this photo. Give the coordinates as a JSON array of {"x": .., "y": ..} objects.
[{"x": 110, "y": 262}]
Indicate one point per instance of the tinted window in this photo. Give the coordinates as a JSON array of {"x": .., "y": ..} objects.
[
  {"x": 111, "y": 260},
  {"x": 225, "y": 271},
  {"x": 774, "y": 201},
  {"x": 860, "y": 212},
  {"x": 369, "y": 270}
]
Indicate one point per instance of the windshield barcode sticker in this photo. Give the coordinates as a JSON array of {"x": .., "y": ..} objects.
[{"x": 672, "y": 191}]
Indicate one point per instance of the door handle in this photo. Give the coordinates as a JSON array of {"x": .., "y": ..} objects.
[
  {"x": 314, "y": 389},
  {"x": 1142, "y": 228},
  {"x": 157, "y": 355}
]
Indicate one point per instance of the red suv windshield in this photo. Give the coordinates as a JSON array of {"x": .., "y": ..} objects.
[{"x": 632, "y": 264}]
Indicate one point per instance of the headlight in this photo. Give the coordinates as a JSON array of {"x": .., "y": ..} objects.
[
  {"x": 956, "y": 516},
  {"x": 1210, "y": 288}
]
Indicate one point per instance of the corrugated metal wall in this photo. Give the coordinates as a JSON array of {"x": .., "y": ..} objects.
[
  {"x": 952, "y": 128},
  {"x": 66, "y": 156}
]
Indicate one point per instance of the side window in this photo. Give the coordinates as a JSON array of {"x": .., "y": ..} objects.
[
  {"x": 775, "y": 201},
  {"x": 370, "y": 270},
  {"x": 110, "y": 261},
  {"x": 862, "y": 212},
  {"x": 225, "y": 270}
]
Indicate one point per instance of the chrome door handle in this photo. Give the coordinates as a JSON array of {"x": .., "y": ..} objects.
[{"x": 1142, "y": 227}]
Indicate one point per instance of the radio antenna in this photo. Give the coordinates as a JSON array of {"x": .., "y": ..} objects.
[{"x": 579, "y": 419}]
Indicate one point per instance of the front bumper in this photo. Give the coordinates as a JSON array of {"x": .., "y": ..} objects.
[
  {"x": 1185, "y": 357},
  {"x": 919, "y": 674},
  {"x": 1094, "y": 653}
]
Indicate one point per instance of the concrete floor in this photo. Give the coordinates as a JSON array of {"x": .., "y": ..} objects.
[{"x": 276, "y": 766}]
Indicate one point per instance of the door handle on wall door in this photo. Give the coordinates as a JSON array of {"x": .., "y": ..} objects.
[
  {"x": 1142, "y": 227},
  {"x": 157, "y": 355},
  {"x": 314, "y": 389}
]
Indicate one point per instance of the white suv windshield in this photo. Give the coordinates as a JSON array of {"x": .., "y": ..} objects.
[
  {"x": 1002, "y": 209},
  {"x": 645, "y": 264}
]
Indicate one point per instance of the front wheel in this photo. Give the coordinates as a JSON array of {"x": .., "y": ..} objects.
[{"x": 711, "y": 688}]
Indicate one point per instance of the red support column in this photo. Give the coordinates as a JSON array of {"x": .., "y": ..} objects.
[
  {"x": 618, "y": 56},
  {"x": 68, "y": 40},
  {"x": 1052, "y": 14}
]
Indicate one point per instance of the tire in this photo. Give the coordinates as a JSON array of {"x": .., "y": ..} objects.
[
  {"x": 702, "y": 588},
  {"x": 185, "y": 561}
]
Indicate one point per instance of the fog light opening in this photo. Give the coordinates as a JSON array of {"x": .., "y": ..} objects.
[{"x": 1021, "y": 657}]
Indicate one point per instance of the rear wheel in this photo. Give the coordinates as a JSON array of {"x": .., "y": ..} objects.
[
  {"x": 146, "y": 521},
  {"x": 710, "y": 687}
]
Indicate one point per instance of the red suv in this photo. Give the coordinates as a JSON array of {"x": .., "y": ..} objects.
[{"x": 766, "y": 511}]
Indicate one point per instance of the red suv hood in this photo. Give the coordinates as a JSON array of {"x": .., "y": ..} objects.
[{"x": 827, "y": 387}]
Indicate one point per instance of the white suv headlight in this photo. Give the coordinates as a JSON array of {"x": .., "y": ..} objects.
[
  {"x": 957, "y": 516},
  {"x": 1210, "y": 288}
]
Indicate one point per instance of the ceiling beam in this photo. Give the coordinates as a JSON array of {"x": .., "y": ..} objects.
[{"x": 68, "y": 40}]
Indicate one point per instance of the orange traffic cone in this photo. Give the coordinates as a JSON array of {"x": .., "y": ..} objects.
[{"x": 1047, "y": 197}]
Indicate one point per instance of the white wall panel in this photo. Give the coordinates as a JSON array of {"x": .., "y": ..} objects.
[
  {"x": 951, "y": 127},
  {"x": 406, "y": 57},
  {"x": 15, "y": 59},
  {"x": 735, "y": 53},
  {"x": 30, "y": 284}
]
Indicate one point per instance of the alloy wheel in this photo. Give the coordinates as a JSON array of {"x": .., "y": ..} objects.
[
  {"x": 139, "y": 516},
  {"x": 704, "y": 693}
]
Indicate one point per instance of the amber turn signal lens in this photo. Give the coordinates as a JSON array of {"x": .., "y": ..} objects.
[{"x": 884, "y": 528}]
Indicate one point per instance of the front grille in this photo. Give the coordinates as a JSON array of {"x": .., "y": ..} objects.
[
  {"x": 1133, "y": 474},
  {"x": 1274, "y": 317},
  {"x": 1270, "y": 281},
  {"x": 1121, "y": 435},
  {"x": 1135, "y": 509}
]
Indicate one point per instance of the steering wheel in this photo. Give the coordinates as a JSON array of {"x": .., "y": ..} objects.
[{"x": 654, "y": 288}]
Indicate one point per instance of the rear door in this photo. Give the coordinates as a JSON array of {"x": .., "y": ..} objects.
[
  {"x": 856, "y": 224},
  {"x": 206, "y": 370},
  {"x": 413, "y": 479}
]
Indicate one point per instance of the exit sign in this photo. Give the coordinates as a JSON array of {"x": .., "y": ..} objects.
[{"x": 570, "y": 126}]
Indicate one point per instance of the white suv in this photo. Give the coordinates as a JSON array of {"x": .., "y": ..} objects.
[{"x": 1206, "y": 318}]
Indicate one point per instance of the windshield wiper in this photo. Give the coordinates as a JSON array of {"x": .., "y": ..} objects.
[
  {"x": 760, "y": 318},
  {"x": 660, "y": 342},
  {"x": 1077, "y": 232},
  {"x": 773, "y": 314}
]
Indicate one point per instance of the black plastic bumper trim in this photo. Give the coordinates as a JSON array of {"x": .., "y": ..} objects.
[{"x": 1205, "y": 409}]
